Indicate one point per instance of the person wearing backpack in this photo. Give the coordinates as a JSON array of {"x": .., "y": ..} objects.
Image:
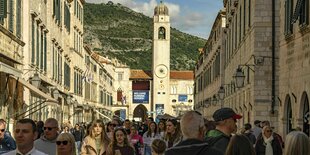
[{"x": 225, "y": 121}]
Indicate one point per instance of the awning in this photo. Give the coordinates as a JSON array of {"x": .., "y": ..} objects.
[
  {"x": 102, "y": 115},
  {"x": 33, "y": 89},
  {"x": 10, "y": 70}
]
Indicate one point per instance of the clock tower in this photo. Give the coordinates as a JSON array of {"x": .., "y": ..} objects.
[{"x": 161, "y": 60}]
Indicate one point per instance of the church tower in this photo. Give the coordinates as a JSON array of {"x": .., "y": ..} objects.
[{"x": 161, "y": 59}]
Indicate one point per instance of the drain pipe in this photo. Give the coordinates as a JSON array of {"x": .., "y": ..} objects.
[{"x": 273, "y": 70}]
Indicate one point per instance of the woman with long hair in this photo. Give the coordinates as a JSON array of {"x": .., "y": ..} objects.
[
  {"x": 110, "y": 129},
  {"x": 97, "y": 141},
  {"x": 65, "y": 144},
  {"x": 173, "y": 134},
  {"x": 297, "y": 143},
  {"x": 240, "y": 145},
  {"x": 149, "y": 136},
  {"x": 162, "y": 128},
  {"x": 267, "y": 144},
  {"x": 136, "y": 140},
  {"x": 120, "y": 144}
]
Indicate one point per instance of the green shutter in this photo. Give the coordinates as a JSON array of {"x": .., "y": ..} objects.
[
  {"x": 3, "y": 8},
  {"x": 18, "y": 18},
  {"x": 11, "y": 16},
  {"x": 33, "y": 42},
  {"x": 45, "y": 53}
]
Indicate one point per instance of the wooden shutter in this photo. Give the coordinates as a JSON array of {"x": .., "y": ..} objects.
[
  {"x": 18, "y": 18},
  {"x": 11, "y": 16},
  {"x": 3, "y": 8}
]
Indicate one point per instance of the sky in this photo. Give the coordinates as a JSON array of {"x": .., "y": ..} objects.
[{"x": 195, "y": 17}]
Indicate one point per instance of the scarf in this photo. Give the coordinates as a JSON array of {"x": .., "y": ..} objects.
[{"x": 268, "y": 141}]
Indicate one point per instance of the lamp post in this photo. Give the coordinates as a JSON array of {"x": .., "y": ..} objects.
[
  {"x": 239, "y": 77},
  {"x": 68, "y": 99},
  {"x": 36, "y": 80},
  {"x": 55, "y": 93},
  {"x": 221, "y": 94}
]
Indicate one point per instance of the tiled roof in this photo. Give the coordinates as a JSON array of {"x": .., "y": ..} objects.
[
  {"x": 142, "y": 74},
  {"x": 184, "y": 75}
]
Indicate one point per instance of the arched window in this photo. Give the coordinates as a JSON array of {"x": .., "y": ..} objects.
[
  {"x": 119, "y": 95},
  {"x": 289, "y": 115},
  {"x": 161, "y": 33},
  {"x": 306, "y": 114}
]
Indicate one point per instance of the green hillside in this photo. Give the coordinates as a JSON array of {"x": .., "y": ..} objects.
[{"x": 117, "y": 31}]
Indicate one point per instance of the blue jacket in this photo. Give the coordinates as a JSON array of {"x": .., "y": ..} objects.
[{"x": 7, "y": 144}]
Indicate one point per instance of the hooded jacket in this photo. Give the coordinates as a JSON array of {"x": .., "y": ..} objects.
[
  {"x": 218, "y": 140},
  {"x": 46, "y": 146},
  {"x": 192, "y": 147}
]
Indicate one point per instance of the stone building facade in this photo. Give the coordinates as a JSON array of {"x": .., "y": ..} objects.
[
  {"x": 249, "y": 46},
  {"x": 294, "y": 62}
]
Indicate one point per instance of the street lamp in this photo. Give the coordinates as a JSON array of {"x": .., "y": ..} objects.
[
  {"x": 36, "y": 80},
  {"x": 221, "y": 93},
  {"x": 68, "y": 99},
  {"x": 55, "y": 93},
  {"x": 239, "y": 77}
]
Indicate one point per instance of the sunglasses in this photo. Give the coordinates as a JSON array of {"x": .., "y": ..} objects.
[
  {"x": 2, "y": 130},
  {"x": 48, "y": 128},
  {"x": 114, "y": 125},
  {"x": 62, "y": 142},
  {"x": 268, "y": 130}
]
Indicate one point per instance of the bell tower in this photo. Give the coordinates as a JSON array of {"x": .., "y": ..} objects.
[{"x": 161, "y": 59}]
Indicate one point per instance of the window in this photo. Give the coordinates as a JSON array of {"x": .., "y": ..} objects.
[
  {"x": 120, "y": 76},
  {"x": 67, "y": 73},
  {"x": 119, "y": 95},
  {"x": 3, "y": 10},
  {"x": 304, "y": 13},
  {"x": 161, "y": 33},
  {"x": 288, "y": 27}
]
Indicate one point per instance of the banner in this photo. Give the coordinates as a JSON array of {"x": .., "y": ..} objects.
[
  {"x": 140, "y": 96},
  {"x": 122, "y": 114},
  {"x": 159, "y": 108},
  {"x": 182, "y": 98}
]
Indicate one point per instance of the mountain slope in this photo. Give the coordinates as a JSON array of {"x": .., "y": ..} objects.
[{"x": 117, "y": 31}]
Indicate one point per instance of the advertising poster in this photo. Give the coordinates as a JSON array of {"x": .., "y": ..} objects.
[
  {"x": 159, "y": 109},
  {"x": 140, "y": 96},
  {"x": 182, "y": 98}
]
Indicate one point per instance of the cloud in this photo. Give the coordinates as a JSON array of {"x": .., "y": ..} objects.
[{"x": 185, "y": 19}]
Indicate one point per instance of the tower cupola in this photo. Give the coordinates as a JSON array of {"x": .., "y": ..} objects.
[{"x": 161, "y": 9}]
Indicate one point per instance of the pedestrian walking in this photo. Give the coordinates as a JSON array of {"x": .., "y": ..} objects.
[
  {"x": 249, "y": 133},
  {"x": 257, "y": 130},
  {"x": 66, "y": 144},
  {"x": 173, "y": 134},
  {"x": 225, "y": 120},
  {"x": 193, "y": 130},
  {"x": 158, "y": 147},
  {"x": 136, "y": 140},
  {"x": 97, "y": 141},
  {"x": 120, "y": 144},
  {"x": 7, "y": 143},
  {"x": 297, "y": 143},
  {"x": 240, "y": 145},
  {"x": 162, "y": 128},
  {"x": 267, "y": 144},
  {"x": 78, "y": 134},
  {"x": 47, "y": 142},
  {"x": 149, "y": 136},
  {"x": 25, "y": 134}
]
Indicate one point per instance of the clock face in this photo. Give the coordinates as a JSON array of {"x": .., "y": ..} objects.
[{"x": 161, "y": 71}]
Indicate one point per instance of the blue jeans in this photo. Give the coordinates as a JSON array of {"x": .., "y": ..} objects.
[
  {"x": 78, "y": 146},
  {"x": 147, "y": 150}
]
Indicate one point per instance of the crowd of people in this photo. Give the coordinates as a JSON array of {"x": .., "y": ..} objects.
[{"x": 191, "y": 135}]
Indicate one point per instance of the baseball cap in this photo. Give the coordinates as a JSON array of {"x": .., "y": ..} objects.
[{"x": 225, "y": 113}]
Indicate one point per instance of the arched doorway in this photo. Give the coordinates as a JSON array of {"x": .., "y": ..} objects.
[
  {"x": 139, "y": 113},
  {"x": 288, "y": 114},
  {"x": 306, "y": 113}
]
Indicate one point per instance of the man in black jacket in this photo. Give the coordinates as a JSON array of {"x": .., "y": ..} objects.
[
  {"x": 193, "y": 130},
  {"x": 225, "y": 120}
]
